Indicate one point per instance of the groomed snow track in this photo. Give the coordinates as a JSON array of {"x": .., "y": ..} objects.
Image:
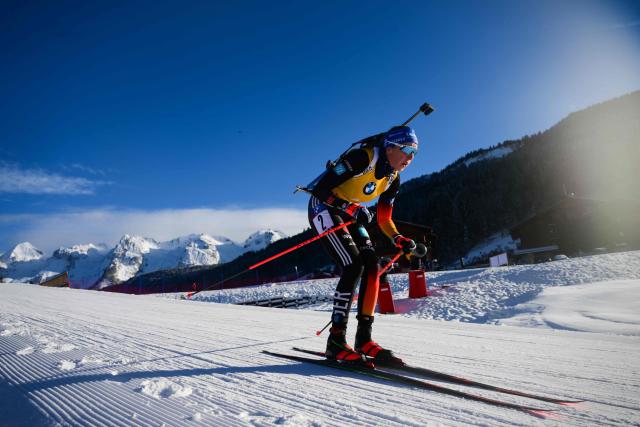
[{"x": 74, "y": 357}]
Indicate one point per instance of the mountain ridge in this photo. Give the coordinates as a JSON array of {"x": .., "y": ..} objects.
[{"x": 97, "y": 266}]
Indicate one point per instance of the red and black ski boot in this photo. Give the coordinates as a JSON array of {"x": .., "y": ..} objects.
[
  {"x": 340, "y": 351},
  {"x": 371, "y": 349}
]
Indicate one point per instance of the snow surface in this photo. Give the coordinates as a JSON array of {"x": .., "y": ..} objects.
[
  {"x": 481, "y": 295},
  {"x": 496, "y": 153},
  {"x": 73, "y": 357},
  {"x": 598, "y": 307},
  {"x": 498, "y": 242}
]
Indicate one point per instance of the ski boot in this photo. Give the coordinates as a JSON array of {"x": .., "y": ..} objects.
[
  {"x": 369, "y": 348},
  {"x": 340, "y": 351}
]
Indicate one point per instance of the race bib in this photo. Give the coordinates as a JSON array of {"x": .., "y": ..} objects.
[{"x": 322, "y": 221}]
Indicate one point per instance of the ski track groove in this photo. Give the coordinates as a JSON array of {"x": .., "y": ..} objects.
[
  {"x": 42, "y": 403},
  {"x": 378, "y": 392},
  {"x": 98, "y": 417},
  {"x": 119, "y": 412},
  {"x": 74, "y": 408},
  {"x": 294, "y": 397},
  {"x": 261, "y": 393},
  {"x": 322, "y": 405},
  {"x": 56, "y": 396},
  {"x": 60, "y": 410},
  {"x": 115, "y": 412}
]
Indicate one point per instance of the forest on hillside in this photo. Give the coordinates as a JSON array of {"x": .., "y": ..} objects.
[{"x": 592, "y": 153}]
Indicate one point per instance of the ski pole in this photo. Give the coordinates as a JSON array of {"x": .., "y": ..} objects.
[
  {"x": 418, "y": 252},
  {"x": 322, "y": 330},
  {"x": 278, "y": 255},
  {"x": 306, "y": 242},
  {"x": 380, "y": 273},
  {"x": 390, "y": 263}
]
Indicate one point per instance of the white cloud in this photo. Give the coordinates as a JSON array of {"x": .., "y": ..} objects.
[
  {"x": 14, "y": 179},
  {"x": 48, "y": 232}
]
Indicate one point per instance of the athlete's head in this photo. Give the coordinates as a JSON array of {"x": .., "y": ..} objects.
[{"x": 401, "y": 146}]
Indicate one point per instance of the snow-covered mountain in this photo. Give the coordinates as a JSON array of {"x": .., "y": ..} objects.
[
  {"x": 84, "y": 263},
  {"x": 262, "y": 239},
  {"x": 135, "y": 255},
  {"x": 95, "y": 265},
  {"x": 24, "y": 251}
]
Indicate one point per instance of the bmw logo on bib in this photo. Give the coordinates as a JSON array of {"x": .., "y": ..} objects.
[{"x": 369, "y": 188}]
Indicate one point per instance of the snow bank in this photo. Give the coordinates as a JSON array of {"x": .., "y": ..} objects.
[
  {"x": 485, "y": 295},
  {"x": 595, "y": 307}
]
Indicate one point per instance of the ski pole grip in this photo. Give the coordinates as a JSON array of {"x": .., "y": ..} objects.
[{"x": 420, "y": 250}]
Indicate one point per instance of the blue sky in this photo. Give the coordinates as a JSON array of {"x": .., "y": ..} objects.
[{"x": 168, "y": 118}]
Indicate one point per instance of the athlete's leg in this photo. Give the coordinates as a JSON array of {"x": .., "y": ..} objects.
[{"x": 343, "y": 250}]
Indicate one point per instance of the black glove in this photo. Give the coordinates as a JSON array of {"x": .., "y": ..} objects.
[
  {"x": 406, "y": 244},
  {"x": 362, "y": 215}
]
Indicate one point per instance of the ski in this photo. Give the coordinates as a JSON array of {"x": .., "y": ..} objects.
[
  {"x": 401, "y": 379},
  {"x": 442, "y": 376}
]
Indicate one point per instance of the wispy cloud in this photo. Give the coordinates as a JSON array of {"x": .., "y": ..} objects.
[
  {"x": 48, "y": 232},
  {"x": 14, "y": 179},
  {"x": 86, "y": 169}
]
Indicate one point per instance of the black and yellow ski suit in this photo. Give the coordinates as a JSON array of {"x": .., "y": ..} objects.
[{"x": 360, "y": 176}]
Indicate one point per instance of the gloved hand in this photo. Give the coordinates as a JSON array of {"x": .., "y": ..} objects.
[
  {"x": 406, "y": 244},
  {"x": 362, "y": 215}
]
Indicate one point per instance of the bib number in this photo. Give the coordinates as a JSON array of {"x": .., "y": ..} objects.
[{"x": 323, "y": 221}]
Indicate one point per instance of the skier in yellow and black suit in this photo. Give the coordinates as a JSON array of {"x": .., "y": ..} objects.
[{"x": 361, "y": 175}]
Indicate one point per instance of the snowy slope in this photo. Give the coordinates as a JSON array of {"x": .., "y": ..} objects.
[
  {"x": 495, "y": 153},
  {"x": 610, "y": 307},
  {"x": 90, "y": 358},
  {"x": 482, "y": 295}
]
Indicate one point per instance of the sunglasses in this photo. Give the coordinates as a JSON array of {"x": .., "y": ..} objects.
[{"x": 407, "y": 149}]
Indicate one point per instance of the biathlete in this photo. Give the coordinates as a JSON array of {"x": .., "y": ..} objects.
[{"x": 362, "y": 174}]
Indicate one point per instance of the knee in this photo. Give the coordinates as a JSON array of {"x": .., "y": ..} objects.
[{"x": 368, "y": 258}]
